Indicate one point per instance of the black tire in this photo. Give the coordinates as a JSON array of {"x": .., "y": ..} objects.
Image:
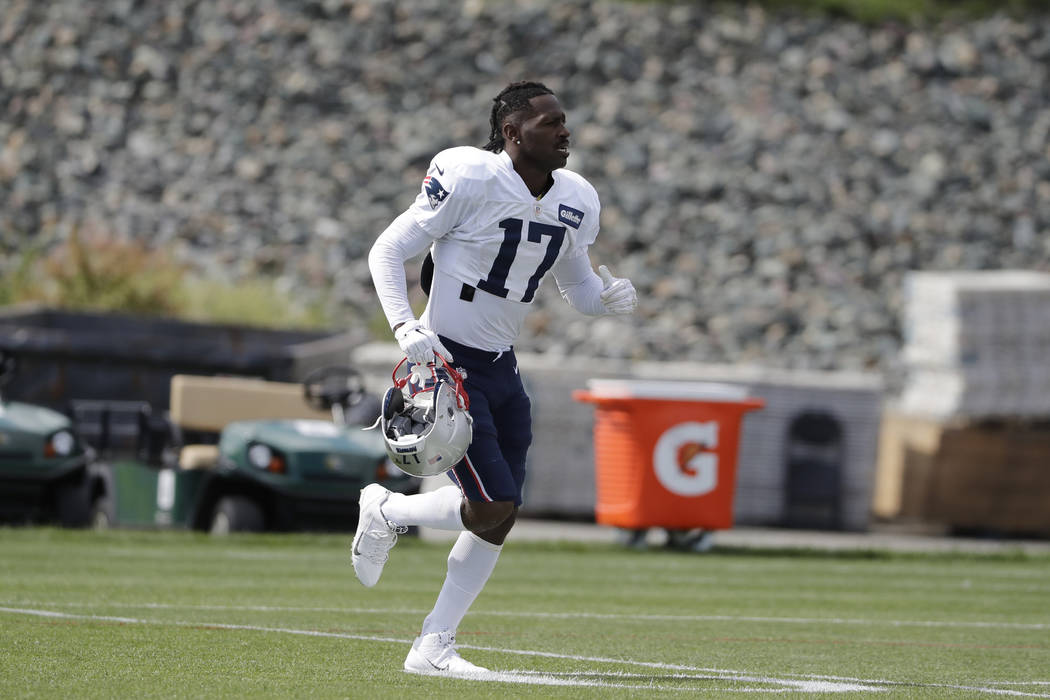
[
  {"x": 236, "y": 514},
  {"x": 73, "y": 503}
]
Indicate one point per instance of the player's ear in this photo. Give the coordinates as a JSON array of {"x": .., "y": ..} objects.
[{"x": 511, "y": 132}]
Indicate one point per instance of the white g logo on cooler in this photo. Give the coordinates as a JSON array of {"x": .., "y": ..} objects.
[{"x": 680, "y": 461}]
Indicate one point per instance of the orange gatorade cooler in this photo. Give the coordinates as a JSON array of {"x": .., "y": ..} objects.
[{"x": 665, "y": 452}]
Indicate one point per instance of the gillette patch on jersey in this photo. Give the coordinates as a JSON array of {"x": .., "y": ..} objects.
[
  {"x": 569, "y": 216},
  {"x": 436, "y": 194}
]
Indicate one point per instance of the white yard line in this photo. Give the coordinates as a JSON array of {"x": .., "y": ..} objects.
[
  {"x": 587, "y": 678},
  {"x": 861, "y": 622}
]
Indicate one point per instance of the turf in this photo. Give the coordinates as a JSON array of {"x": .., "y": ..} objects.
[{"x": 176, "y": 614}]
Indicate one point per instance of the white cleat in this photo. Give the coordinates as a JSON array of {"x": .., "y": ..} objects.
[
  {"x": 375, "y": 535},
  {"x": 435, "y": 654}
]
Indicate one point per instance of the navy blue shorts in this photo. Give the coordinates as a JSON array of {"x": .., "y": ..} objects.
[{"x": 494, "y": 467}]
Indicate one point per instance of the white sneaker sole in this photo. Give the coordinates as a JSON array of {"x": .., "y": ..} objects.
[
  {"x": 418, "y": 664},
  {"x": 361, "y": 529}
]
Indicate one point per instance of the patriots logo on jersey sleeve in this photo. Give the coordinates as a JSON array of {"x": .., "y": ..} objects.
[{"x": 436, "y": 194}]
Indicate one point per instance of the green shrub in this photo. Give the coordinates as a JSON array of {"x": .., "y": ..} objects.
[
  {"x": 15, "y": 282},
  {"x": 257, "y": 302},
  {"x": 102, "y": 273}
]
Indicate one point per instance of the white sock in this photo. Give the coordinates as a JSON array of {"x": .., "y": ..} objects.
[
  {"x": 470, "y": 563},
  {"x": 438, "y": 509}
]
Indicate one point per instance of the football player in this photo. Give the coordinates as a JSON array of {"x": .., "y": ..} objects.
[{"x": 495, "y": 221}]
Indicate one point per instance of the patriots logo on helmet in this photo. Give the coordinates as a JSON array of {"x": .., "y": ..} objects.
[{"x": 436, "y": 194}]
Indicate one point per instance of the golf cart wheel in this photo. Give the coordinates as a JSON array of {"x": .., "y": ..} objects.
[
  {"x": 73, "y": 501},
  {"x": 236, "y": 514}
]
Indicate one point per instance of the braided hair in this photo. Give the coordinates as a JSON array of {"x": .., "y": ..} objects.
[{"x": 512, "y": 99}]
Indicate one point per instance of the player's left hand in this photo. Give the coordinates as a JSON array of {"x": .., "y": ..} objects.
[{"x": 618, "y": 295}]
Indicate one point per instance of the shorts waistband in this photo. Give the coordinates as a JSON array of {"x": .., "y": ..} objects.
[{"x": 469, "y": 354}]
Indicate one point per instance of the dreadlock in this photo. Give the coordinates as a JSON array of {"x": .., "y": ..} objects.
[{"x": 512, "y": 99}]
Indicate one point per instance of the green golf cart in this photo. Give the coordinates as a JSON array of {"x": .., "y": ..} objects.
[
  {"x": 240, "y": 454},
  {"x": 47, "y": 473}
]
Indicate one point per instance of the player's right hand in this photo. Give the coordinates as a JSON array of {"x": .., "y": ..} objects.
[{"x": 419, "y": 343}]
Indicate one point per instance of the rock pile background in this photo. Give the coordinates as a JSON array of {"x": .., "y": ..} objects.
[{"x": 767, "y": 178}]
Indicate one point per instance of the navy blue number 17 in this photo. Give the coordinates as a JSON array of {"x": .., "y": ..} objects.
[{"x": 495, "y": 282}]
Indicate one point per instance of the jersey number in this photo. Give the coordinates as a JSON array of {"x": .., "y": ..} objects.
[{"x": 495, "y": 282}]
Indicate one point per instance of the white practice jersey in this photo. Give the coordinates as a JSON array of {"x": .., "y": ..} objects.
[{"x": 494, "y": 241}]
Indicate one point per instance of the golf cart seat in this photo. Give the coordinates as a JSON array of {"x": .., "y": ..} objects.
[
  {"x": 198, "y": 456},
  {"x": 204, "y": 404}
]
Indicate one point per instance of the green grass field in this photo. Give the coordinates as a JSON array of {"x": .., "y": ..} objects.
[{"x": 125, "y": 614}]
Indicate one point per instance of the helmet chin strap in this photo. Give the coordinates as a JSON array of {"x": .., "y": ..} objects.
[{"x": 415, "y": 376}]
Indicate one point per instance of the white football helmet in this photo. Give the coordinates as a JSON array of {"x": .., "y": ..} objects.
[{"x": 425, "y": 420}]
